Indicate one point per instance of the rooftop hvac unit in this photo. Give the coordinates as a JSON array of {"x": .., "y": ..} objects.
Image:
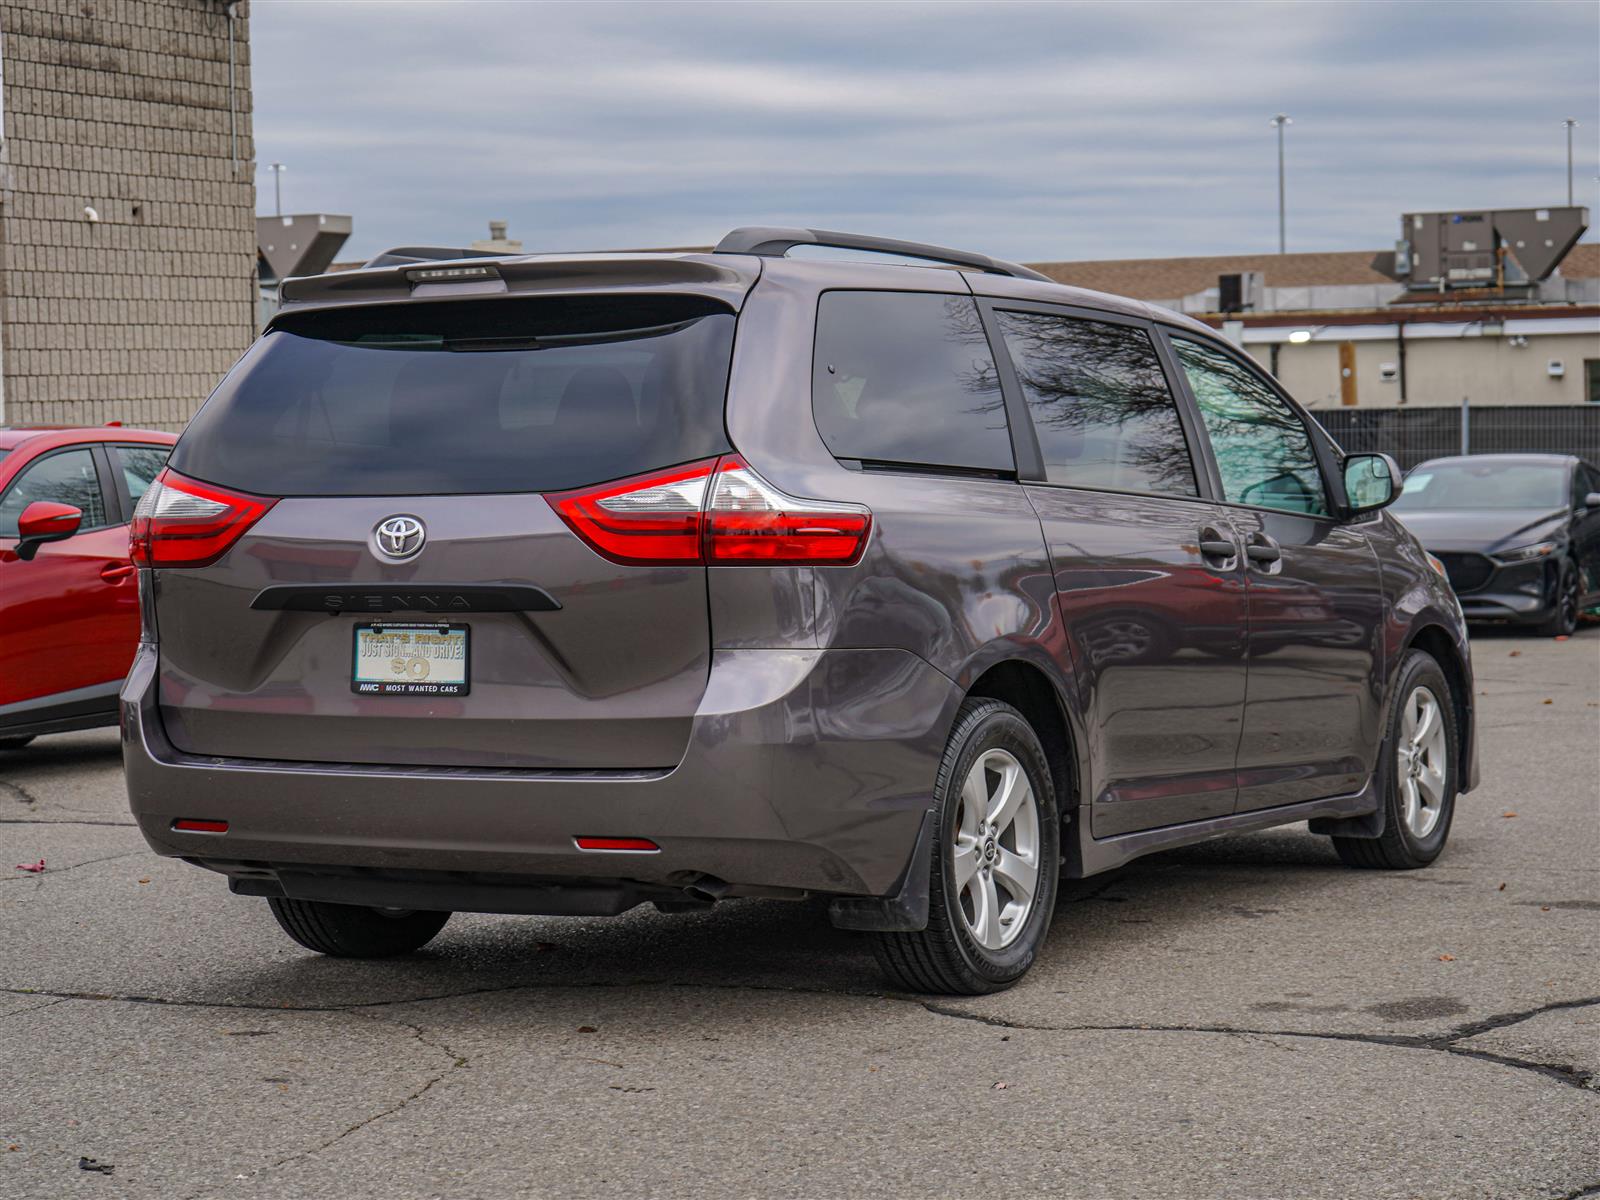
[
  {"x": 299, "y": 245},
  {"x": 1458, "y": 251}
]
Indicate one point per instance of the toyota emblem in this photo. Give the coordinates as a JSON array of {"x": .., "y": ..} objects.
[{"x": 399, "y": 537}]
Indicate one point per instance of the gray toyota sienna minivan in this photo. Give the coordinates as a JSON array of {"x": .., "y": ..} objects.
[{"x": 560, "y": 584}]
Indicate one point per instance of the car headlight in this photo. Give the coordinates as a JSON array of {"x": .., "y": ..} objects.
[
  {"x": 1436, "y": 564},
  {"x": 1528, "y": 553}
]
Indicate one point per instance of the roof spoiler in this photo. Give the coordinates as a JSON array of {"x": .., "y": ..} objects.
[
  {"x": 404, "y": 256},
  {"x": 772, "y": 242}
]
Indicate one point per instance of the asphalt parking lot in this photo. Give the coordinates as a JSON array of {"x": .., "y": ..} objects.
[{"x": 1246, "y": 1018}]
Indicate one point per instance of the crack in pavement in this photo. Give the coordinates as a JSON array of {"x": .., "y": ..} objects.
[
  {"x": 457, "y": 1062},
  {"x": 1443, "y": 1043},
  {"x": 22, "y": 794},
  {"x": 37, "y": 876},
  {"x": 32, "y": 1008},
  {"x": 41, "y": 821}
]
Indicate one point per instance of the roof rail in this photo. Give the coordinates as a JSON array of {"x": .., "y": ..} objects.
[
  {"x": 770, "y": 242},
  {"x": 404, "y": 256}
]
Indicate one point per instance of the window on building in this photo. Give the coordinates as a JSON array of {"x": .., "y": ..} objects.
[
  {"x": 1100, "y": 404},
  {"x": 1262, "y": 448},
  {"x": 908, "y": 377},
  {"x": 1591, "y": 380},
  {"x": 66, "y": 478}
]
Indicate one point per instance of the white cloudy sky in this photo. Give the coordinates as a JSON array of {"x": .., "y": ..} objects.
[{"x": 1031, "y": 131}]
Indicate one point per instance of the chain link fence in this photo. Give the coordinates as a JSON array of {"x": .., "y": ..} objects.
[{"x": 1413, "y": 435}]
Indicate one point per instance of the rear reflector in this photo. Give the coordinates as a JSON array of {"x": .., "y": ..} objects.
[
  {"x": 638, "y": 845},
  {"x": 186, "y": 825},
  {"x": 715, "y": 511},
  {"x": 181, "y": 522}
]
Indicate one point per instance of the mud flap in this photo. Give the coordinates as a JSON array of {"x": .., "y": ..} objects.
[
  {"x": 1368, "y": 825},
  {"x": 903, "y": 911}
]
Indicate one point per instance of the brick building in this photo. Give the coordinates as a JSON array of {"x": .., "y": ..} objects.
[{"x": 127, "y": 208}]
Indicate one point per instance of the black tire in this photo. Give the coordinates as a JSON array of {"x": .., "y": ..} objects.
[
  {"x": 1563, "y": 619},
  {"x": 349, "y": 931},
  {"x": 945, "y": 957},
  {"x": 1399, "y": 849},
  {"x": 15, "y": 743}
]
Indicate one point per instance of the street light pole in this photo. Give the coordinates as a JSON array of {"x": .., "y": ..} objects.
[
  {"x": 1280, "y": 121},
  {"x": 1570, "y": 123},
  {"x": 277, "y": 170}
]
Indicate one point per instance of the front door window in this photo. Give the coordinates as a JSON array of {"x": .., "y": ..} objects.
[
  {"x": 66, "y": 478},
  {"x": 1262, "y": 448}
]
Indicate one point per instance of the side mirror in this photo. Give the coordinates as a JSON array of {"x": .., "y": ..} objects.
[
  {"x": 1592, "y": 500},
  {"x": 45, "y": 521},
  {"x": 1371, "y": 482}
]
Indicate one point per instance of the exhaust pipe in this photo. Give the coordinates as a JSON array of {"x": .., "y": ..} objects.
[{"x": 707, "y": 889}]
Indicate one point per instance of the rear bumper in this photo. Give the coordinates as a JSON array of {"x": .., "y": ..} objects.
[{"x": 806, "y": 769}]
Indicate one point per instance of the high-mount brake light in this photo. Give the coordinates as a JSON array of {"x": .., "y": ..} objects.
[
  {"x": 181, "y": 522},
  {"x": 717, "y": 511}
]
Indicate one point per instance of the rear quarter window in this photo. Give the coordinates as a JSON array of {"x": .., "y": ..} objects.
[
  {"x": 908, "y": 377},
  {"x": 504, "y": 395}
]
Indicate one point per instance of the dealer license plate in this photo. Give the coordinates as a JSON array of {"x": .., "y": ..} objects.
[{"x": 411, "y": 659}]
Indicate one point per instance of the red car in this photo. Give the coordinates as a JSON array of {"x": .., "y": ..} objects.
[{"x": 69, "y": 598}]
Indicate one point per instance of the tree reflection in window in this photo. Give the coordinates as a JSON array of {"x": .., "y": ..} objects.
[
  {"x": 1100, "y": 404},
  {"x": 1261, "y": 445},
  {"x": 67, "y": 478}
]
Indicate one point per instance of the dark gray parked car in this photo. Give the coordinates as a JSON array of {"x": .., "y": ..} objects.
[
  {"x": 559, "y": 584},
  {"x": 1519, "y": 534}
]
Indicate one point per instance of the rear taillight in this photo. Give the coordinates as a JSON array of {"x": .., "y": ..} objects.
[
  {"x": 649, "y": 519},
  {"x": 181, "y": 522},
  {"x": 750, "y": 521},
  {"x": 718, "y": 511}
]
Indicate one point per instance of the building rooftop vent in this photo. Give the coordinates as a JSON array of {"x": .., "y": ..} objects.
[
  {"x": 299, "y": 245},
  {"x": 1493, "y": 251},
  {"x": 497, "y": 241}
]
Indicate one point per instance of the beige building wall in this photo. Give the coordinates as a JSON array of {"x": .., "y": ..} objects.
[
  {"x": 123, "y": 107},
  {"x": 1439, "y": 371}
]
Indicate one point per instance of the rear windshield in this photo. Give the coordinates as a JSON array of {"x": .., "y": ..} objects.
[{"x": 504, "y": 395}]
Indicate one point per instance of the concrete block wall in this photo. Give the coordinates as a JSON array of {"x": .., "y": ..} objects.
[{"x": 123, "y": 106}]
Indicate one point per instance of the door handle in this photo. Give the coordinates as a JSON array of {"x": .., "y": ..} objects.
[
  {"x": 116, "y": 572},
  {"x": 1214, "y": 545},
  {"x": 1263, "y": 549}
]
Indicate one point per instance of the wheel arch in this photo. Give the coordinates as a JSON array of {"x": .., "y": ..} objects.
[
  {"x": 1029, "y": 689},
  {"x": 1442, "y": 647}
]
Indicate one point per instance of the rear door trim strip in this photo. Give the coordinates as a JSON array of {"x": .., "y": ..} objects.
[{"x": 385, "y": 598}]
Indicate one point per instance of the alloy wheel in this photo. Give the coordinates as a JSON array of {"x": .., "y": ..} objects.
[
  {"x": 1422, "y": 762},
  {"x": 1569, "y": 600},
  {"x": 996, "y": 849}
]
